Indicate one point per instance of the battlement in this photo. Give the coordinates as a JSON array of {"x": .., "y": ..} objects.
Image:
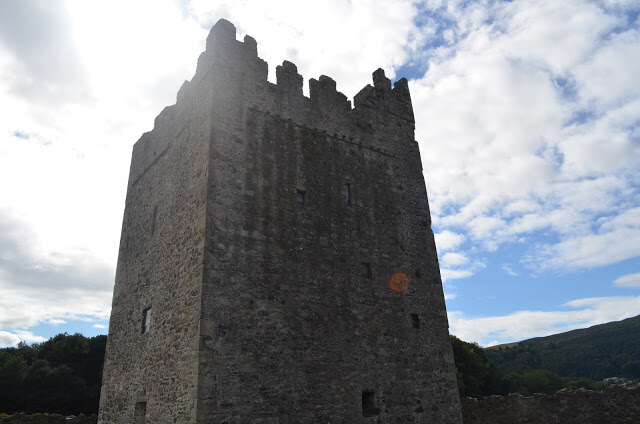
[
  {"x": 234, "y": 77},
  {"x": 236, "y": 64}
]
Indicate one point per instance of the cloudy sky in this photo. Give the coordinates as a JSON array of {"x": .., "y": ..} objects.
[{"x": 527, "y": 114}]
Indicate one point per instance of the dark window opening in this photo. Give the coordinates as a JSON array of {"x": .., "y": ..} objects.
[
  {"x": 369, "y": 407},
  {"x": 415, "y": 320},
  {"x": 366, "y": 270},
  {"x": 140, "y": 413},
  {"x": 347, "y": 194},
  {"x": 146, "y": 320},
  {"x": 153, "y": 222},
  {"x": 300, "y": 196}
]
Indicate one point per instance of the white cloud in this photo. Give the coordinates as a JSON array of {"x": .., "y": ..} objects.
[
  {"x": 509, "y": 270},
  {"x": 539, "y": 113},
  {"x": 449, "y": 295},
  {"x": 453, "y": 259},
  {"x": 447, "y": 240},
  {"x": 80, "y": 83},
  {"x": 628, "y": 280},
  {"x": 522, "y": 325},
  {"x": 616, "y": 238},
  {"x": 454, "y": 274},
  {"x": 605, "y": 80},
  {"x": 483, "y": 227},
  {"x": 551, "y": 34},
  {"x": 459, "y": 268},
  {"x": 48, "y": 286},
  {"x": 603, "y": 146},
  {"x": 12, "y": 338},
  {"x": 44, "y": 63}
]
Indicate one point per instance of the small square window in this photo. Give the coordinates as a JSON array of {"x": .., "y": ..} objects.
[
  {"x": 366, "y": 270},
  {"x": 146, "y": 320},
  {"x": 369, "y": 406},
  {"x": 300, "y": 196}
]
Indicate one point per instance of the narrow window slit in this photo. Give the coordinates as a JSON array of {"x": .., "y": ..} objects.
[
  {"x": 366, "y": 270},
  {"x": 347, "y": 194},
  {"x": 300, "y": 196},
  {"x": 153, "y": 222},
  {"x": 146, "y": 320},
  {"x": 415, "y": 320}
]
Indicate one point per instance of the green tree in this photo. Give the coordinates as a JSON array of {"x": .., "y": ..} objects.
[
  {"x": 13, "y": 369},
  {"x": 62, "y": 375},
  {"x": 511, "y": 383},
  {"x": 541, "y": 381},
  {"x": 631, "y": 369},
  {"x": 477, "y": 376}
]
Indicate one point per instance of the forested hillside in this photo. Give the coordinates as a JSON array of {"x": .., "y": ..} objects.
[
  {"x": 62, "y": 375},
  {"x": 606, "y": 350}
]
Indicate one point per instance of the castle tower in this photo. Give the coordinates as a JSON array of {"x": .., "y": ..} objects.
[{"x": 277, "y": 263}]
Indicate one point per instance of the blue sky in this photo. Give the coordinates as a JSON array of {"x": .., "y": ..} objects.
[{"x": 527, "y": 114}]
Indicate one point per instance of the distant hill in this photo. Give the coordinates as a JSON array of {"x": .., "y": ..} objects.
[{"x": 598, "y": 352}]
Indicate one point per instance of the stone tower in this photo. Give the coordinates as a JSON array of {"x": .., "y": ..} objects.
[{"x": 277, "y": 263}]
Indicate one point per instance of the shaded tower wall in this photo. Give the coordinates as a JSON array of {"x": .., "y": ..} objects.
[{"x": 315, "y": 276}]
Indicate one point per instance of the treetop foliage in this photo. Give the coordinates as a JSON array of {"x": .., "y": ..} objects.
[{"x": 62, "y": 375}]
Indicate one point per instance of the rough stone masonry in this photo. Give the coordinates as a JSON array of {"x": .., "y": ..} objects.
[{"x": 277, "y": 263}]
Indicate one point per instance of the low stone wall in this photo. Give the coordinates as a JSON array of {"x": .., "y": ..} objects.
[
  {"x": 22, "y": 418},
  {"x": 613, "y": 406}
]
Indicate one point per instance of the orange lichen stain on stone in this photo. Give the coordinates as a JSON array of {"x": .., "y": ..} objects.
[{"x": 399, "y": 282}]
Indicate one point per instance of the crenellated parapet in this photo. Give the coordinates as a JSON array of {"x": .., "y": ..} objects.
[
  {"x": 240, "y": 77},
  {"x": 325, "y": 97},
  {"x": 288, "y": 79},
  {"x": 222, "y": 44},
  {"x": 396, "y": 101}
]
